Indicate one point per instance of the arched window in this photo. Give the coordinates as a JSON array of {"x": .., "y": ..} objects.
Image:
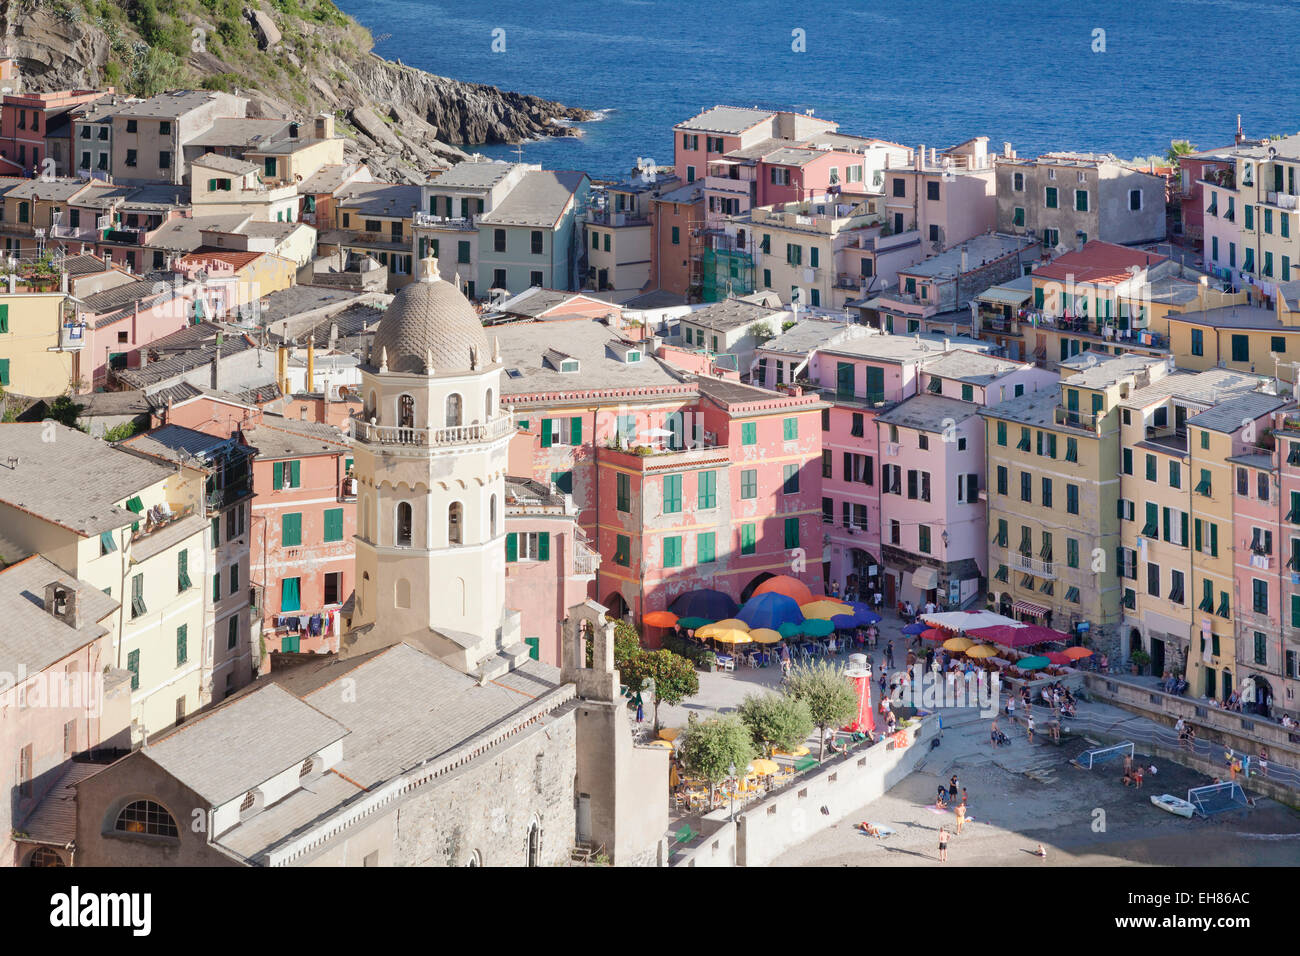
[
  {"x": 492, "y": 517},
  {"x": 487, "y": 404},
  {"x": 361, "y": 591},
  {"x": 44, "y": 856},
  {"x": 455, "y": 523},
  {"x": 406, "y": 412},
  {"x": 534, "y": 844},
  {"x": 404, "y": 518},
  {"x": 475, "y": 859},
  {"x": 453, "y": 410},
  {"x": 402, "y": 597},
  {"x": 145, "y": 816},
  {"x": 372, "y": 406}
]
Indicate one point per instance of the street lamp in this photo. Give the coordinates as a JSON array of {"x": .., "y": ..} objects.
[{"x": 733, "y": 791}]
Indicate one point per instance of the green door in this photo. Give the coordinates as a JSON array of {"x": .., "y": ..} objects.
[{"x": 844, "y": 379}]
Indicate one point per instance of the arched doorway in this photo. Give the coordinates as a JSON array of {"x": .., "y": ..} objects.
[
  {"x": 862, "y": 578},
  {"x": 615, "y": 604},
  {"x": 1262, "y": 698},
  {"x": 1134, "y": 641},
  {"x": 1158, "y": 663},
  {"x": 758, "y": 579}
]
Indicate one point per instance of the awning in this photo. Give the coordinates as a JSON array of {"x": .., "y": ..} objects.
[
  {"x": 1033, "y": 610},
  {"x": 999, "y": 296},
  {"x": 925, "y": 579}
]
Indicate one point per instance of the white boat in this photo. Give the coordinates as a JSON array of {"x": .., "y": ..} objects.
[{"x": 1175, "y": 805}]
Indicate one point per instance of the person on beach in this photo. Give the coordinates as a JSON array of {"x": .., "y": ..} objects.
[
  {"x": 1029, "y": 727},
  {"x": 961, "y": 817},
  {"x": 943, "y": 844}
]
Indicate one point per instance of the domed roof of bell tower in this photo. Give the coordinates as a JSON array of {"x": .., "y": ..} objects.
[{"x": 429, "y": 320}]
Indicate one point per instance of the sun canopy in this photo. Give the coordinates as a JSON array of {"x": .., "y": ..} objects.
[
  {"x": 968, "y": 620},
  {"x": 704, "y": 603},
  {"x": 791, "y": 587},
  {"x": 770, "y": 610}
]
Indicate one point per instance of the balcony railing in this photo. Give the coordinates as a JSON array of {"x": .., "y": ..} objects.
[
  {"x": 616, "y": 218},
  {"x": 431, "y": 437},
  {"x": 847, "y": 280},
  {"x": 429, "y": 220},
  {"x": 1284, "y": 200},
  {"x": 76, "y": 233},
  {"x": 585, "y": 560},
  {"x": 1073, "y": 418},
  {"x": 223, "y": 497}
]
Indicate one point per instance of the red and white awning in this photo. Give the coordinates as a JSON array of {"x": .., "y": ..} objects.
[{"x": 1033, "y": 610}]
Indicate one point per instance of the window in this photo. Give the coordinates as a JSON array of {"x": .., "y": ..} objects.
[
  {"x": 1135, "y": 200},
  {"x": 1026, "y": 487},
  {"x": 749, "y": 483},
  {"x": 290, "y": 595},
  {"x": 706, "y": 490},
  {"x": 234, "y": 578},
  {"x": 138, "y": 608},
  {"x": 286, "y": 474},
  {"x": 1153, "y": 579},
  {"x": 164, "y": 159},
  {"x": 291, "y": 529},
  {"x": 748, "y": 539},
  {"x": 537, "y": 245},
  {"x": 498, "y": 240},
  {"x": 334, "y": 524},
  {"x": 677, "y": 235},
  {"x": 749, "y": 433},
  {"x": 130, "y": 157},
  {"x": 1049, "y": 197},
  {"x": 133, "y": 665},
  {"x": 790, "y": 480},
  {"x": 1071, "y": 449},
  {"x": 1002, "y": 479},
  {"x": 706, "y": 547},
  {"x": 623, "y": 492},
  {"x": 673, "y": 551},
  {"x": 182, "y": 644},
  {"x": 1081, "y": 200},
  {"x": 183, "y": 582},
  {"x": 146, "y": 817},
  {"x": 791, "y": 429},
  {"x": 1072, "y": 499},
  {"x": 1241, "y": 348},
  {"x": 791, "y": 533},
  {"x": 1047, "y": 493},
  {"x": 536, "y": 279},
  {"x": 622, "y": 550},
  {"x": 1002, "y": 434}
]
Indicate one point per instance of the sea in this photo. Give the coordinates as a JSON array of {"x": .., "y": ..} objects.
[{"x": 1118, "y": 76}]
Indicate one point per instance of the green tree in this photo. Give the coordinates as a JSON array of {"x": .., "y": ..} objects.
[
  {"x": 1178, "y": 147},
  {"x": 712, "y": 747},
  {"x": 120, "y": 432},
  {"x": 627, "y": 645},
  {"x": 674, "y": 677},
  {"x": 64, "y": 411},
  {"x": 828, "y": 693},
  {"x": 776, "y": 719},
  {"x": 761, "y": 331}
]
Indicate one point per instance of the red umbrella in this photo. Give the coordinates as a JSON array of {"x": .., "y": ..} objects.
[
  {"x": 1008, "y": 636},
  {"x": 933, "y": 634},
  {"x": 660, "y": 618},
  {"x": 1056, "y": 657}
]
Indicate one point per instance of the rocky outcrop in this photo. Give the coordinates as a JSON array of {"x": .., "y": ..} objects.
[{"x": 58, "y": 46}]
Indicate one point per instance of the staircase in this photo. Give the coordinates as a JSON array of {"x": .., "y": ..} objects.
[{"x": 580, "y": 855}]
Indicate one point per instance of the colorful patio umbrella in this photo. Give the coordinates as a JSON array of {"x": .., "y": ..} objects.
[
  {"x": 694, "y": 623},
  {"x": 817, "y": 627},
  {"x": 763, "y": 766},
  {"x": 791, "y": 587},
  {"x": 669, "y": 733},
  {"x": 916, "y": 627},
  {"x": 728, "y": 624},
  {"x": 764, "y": 635},
  {"x": 660, "y": 619},
  {"x": 957, "y": 644},
  {"x": 789, "y": 629},
  {"x": 982, "y": 650},
  {"x": 704, "y": 602},
  {"x": 727, "y": 635},
  {"x": 1056, "y": 657},
  {"x": 825, "y": 610},
  {"x": 1018, "y": 636},
  {"x": 660, "y": 743},
  {"x": 1077, "y": 653},
  {"x": 769, "y": 610},
  {"x": 933, "y": 634},
  {"x": 1032, "y": 663}
]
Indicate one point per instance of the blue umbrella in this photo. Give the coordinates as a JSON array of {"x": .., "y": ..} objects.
[
  {"x": 861, "y": 617},
  {"x": 704, "y": 602},
  {"x": 916, "y": 627},
  {"x": 770, "y": 610}
]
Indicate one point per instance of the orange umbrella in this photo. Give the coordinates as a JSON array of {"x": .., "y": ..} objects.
[
  {"x": 789, "y": 586},
  {"x": 660, "y": 619},
  {"x": 1077, "y": 653}
]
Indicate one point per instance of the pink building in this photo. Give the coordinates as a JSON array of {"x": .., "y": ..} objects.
[
  {"x": 793, "y": 174},
  {"x": 24, "y": 120},
  {"x": 549, "y": 563},
  {"x": 1189, "y": 192},
  {"x": 61, "y": 702},
  {"x": 304, "y": 519},
  {"x": 945, "y": 197}
]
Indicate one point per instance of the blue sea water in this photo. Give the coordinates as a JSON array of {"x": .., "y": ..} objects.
[{"x": 913, "y": 71}]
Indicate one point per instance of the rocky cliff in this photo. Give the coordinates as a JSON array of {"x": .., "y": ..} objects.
[{"x": 290, "y": 57}]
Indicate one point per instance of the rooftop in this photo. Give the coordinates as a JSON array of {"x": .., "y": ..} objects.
[
  {"x": 278, "y": 438},
  {"x": 726, "y": 119},
  {"x": 929, "y": 413},
  {"x": 729, "y": 314},
  {"x": 390, "y": 200},
  {"x": 904, "y": 348},
  {"x": 811, "y": 333},
  {"x": 327, "y": 179},
  {"x": 1208, "y": 387},
  {"x": 168, "y": 105},
  {"x": 224, "y": 164},
  {"x": 176, "y": 443},
  {"x": 1100, "y": 263},
  {"x": 186, "y": 234},
  {"x": 978, "y": 252},
  {"x": 975, "y": 368},
  {"x": 1103, "y": 371},
  {"x": 474, "y": 175},
  {"x": 33, "y": 638},
  {"x": 523, "y": 345},
  {"x": 1032, "y": 408},
  {"x": 229, "y": 131},
  {"x": 540, "y": 199},
  {"x": 1229, "y": 416},
  {"x": 74, "y": 481},
  {"x": 1232, "y": 317}
]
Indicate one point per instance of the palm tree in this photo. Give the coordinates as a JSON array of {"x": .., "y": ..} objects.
[{"x": 1178, "y": 147}]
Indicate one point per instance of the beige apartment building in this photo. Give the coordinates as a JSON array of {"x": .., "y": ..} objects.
[{"x": 149, "y": 136}]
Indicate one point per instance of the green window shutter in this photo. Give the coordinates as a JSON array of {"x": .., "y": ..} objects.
[
  {"x": 749, "y": 433},
  {"x": 624, "y": 492},
  {"x": 747, "y": 539},
  {"x": 1183, "y": 528},
  {"x": 706, "y": 496},
  {"x": 1295, "y": 610},
  {"x": 622, "y": 550},
  {"x": 791, "y": 533},
  {"x": 1002, "y": 433},
  {"x": 673, "y": 552},
  {"x": 791, "y": 429},
  {"x": 277, "y": 475},
  {"x": 672, "y": 494},
  {"x": 1214, "y": 540},
  {"x": 182, "y": 640},
  {"x": 334, "y": 524},
  {"x": 575, "y": 431},
  {"x": 291, "y": 529},
  {"x": 1164, "y": 516},
  {"x": 216, "y": 588},
  {"x": 705, "y": 548},
  {"x": 133, "y": 665},
  {"x": 183, "y": 582},
  {"x": 546, "y": 433},
  {"x": 295, "y": 474},
  {"x": 544, "y": 546},
  {"x": 512, "y": 547},
  {"x": 4, "y": 317},
  {"x": 290, "y": 597},
  {"x": 534, "y": 647}
]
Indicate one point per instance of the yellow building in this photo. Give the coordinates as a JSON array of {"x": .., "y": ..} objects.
[
  {"x": 801, "y": 248},
  {"x": 39, "y": 344},
  {"x": 134, "y": 529},
  {"x": 1231, "y": 428},
  {"x": 1163, "y": 525},
  {"x": 374, "y": 219},
  {"x": 1053, "y": 487},
  {"x": 1263, "y": 340}
]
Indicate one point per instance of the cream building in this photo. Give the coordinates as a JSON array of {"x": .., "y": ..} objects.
[
  {"x": 430, "y": 460},
  {"x": 130, "y": 527}
]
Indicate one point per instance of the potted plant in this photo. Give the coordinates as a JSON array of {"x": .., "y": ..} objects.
[{"x": 1139, "y": 659}]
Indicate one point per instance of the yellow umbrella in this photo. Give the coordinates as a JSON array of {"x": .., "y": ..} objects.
[
  {"x": 730, "y": 631},
  {"x": 958, "y": 644},
  {"x": 729, "y": 637},
  {"x": 729, "y": 624},
  {"x": 825, "y": 610},
  {"x": 763, "y": 766},
  {"x": 764, "y": 635},
  {"x": 800, "y": 751},
  {"x": 982, "y": 650},
  {"x": 660, "y": 743},
  {"x": 669, "y": 733}
]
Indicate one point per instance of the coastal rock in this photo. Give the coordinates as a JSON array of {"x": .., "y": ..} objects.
[
  {"x": 268, "y": 34},
  {"x": 364, "y": 119}
]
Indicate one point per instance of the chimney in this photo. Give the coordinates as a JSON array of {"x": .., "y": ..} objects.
[
  {"x": 311, "y": 363},
  {"x": 964, "y": 269},
  {"x": 216, "y": 363},
  {"x": 61, "y": 602},
  {"x": 1006, "y": 151},
  {"x": 920, "y": 157}
]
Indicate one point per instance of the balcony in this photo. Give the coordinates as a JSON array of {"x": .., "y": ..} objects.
[
  {"x": 397, "y": 435},
  {"x": 847, "y": 280},
  {"x": 220, "y": 498},
  {"x": 585, "y": 561},
  {"x": 1283, "y": 200},
  {"x": 348, "y": 489},
  {"x": 1023, "y": 563},
  {"x": 72, "y": 337},
  {"x": 75, "y": 233},
  {"x": 874, "y": 400},
  {"x": 125, "y": 237},
  {"x": 615, "y": 218},
  {"x": 1072, "y": 418},
  {"x": 430, "y": 221}
]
